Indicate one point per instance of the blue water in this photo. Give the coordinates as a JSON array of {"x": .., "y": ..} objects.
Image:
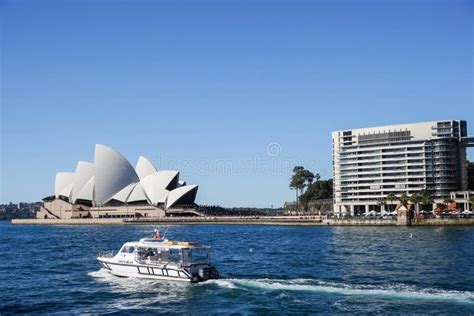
[{"x": 265, "y": 269}]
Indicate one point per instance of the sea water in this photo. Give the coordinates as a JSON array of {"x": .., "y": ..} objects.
[{"x": 264, "y": 269}]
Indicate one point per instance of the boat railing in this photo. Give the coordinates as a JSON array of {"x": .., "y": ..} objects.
[{"x": 106, "y": 254}]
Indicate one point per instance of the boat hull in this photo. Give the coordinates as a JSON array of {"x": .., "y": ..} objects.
[{"x": 134, "y": 269}]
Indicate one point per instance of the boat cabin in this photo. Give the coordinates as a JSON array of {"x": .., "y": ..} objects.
[{"x": 159, "y": 252}]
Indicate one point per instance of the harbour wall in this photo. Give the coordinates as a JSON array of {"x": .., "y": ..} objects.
[
  {"x": 443, "y": 222},
  {"x": 70, "y": 221},
  {"x": 291, "y": 221},
  {"x": 270, "y": 220}
]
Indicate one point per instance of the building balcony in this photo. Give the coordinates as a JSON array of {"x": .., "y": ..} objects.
[{"x": 385, "y": 146}]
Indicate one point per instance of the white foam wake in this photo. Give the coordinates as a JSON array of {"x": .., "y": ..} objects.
[
  {"x": 102, "y": 273},
  {"x": 392, "y": 291}
]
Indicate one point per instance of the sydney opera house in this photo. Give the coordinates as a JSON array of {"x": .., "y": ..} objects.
[{"x": 110, "y": 187}]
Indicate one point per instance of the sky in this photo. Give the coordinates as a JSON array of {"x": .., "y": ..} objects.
[{"x": 233, "y": 94}]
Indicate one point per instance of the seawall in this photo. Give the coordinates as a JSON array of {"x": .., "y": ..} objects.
[
  {"x": 74, "y": 221},
  {"x": 443, "y": 222},
  {"x": 292, "y": 221},
  {"x": 270, "y": 220}
]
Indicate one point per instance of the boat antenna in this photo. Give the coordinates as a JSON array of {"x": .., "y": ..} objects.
[{"x": 164, "y": 234}]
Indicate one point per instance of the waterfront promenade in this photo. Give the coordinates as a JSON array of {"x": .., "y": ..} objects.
[{"x": 254, "y": 220}]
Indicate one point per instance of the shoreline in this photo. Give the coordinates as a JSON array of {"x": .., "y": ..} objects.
[{"x": 275, "y": 221}]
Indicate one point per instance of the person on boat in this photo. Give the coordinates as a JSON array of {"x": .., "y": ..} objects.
[{"x": 157, "y": 234}]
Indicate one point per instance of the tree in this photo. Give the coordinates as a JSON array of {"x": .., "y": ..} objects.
[
  {"x": 308, "y": 177},
  {"x": 391, "y": 197},
  {"x": 309, "y": 186},
  {"x": 404, "y": 198},
  {"x": 415, "y": 198},
  {"x": 317, "y": 177},
  {"x": 426, "y": 197},
  {"x": 297, "y": 181},
  {"x": 319, "y": 190},
  {"x": 301, "y": 178}
]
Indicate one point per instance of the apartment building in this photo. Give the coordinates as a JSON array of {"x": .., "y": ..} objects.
[{"x": 370, "y": 163}]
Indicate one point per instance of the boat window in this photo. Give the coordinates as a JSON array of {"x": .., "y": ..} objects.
[
  {"x": 151, "y": 252},
  {"x": 127, "y": 249},
  {"x": 174, "y": 255},
  {"x": 141, "y": 253},
  {"x": 199, "y": 255}
]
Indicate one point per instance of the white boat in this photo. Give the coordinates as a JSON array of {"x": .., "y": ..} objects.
[{"x": 162, "y": 260}]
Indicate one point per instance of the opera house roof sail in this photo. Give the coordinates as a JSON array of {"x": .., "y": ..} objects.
[{"x": 112, "y": 179}]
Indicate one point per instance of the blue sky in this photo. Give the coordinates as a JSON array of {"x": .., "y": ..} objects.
[{"x": 233, "y": 93}]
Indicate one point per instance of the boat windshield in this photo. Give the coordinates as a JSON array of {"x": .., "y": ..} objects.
[{"x": 127, "y": 249}]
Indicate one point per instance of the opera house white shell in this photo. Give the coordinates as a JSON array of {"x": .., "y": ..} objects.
[{"x": 111, "y": 180}]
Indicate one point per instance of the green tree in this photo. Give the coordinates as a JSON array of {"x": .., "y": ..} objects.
[
  {"x": 301, "y": 179},
  {"x": 320, "y": 189},
  {"x": 297, "y": 181},
  {"x": 426, "y": 198},
  {"x": 308, "y": 177},
  {"x": 415, "y": 198},
  {"x": 391, "y": 197},
  {"x": 404, "y": 198}
]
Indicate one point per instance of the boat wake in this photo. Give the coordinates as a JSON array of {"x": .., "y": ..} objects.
[
  {"x": 395, "y": 291},
  {"x": 392, "y": 291},
  {"x": 102, "y": 273}
]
